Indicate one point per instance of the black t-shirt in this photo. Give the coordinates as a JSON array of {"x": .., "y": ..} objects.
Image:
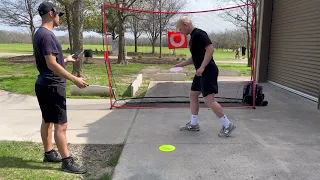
[
  {"x": 45, "y": 43},
  {"x": 197, "y": 45}
]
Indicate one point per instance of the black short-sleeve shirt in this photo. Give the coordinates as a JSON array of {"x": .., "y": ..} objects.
[
  {"x": 46, "y": 43},
  {"x": 198, "y": 42}
]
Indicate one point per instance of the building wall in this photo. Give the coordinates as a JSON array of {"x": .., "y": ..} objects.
[
  {"x": 264, "y": 25},
  {"x": 288, "y": 52}
]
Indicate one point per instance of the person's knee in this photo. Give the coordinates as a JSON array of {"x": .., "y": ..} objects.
[
  {"x": 194, "y": 95},
  {"x": 60, "y": 127},
  {"x": 208, "y": 99}
]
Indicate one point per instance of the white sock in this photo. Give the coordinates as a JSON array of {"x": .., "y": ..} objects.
[
  {"x": 194, "y": 119},
  {"x": 225, "y": 121}
]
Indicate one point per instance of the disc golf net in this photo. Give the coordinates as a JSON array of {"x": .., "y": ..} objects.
[{"x": 143, "y": 78}]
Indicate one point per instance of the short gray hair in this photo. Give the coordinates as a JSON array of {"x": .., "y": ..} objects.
[{"x": 184, "y": 20}]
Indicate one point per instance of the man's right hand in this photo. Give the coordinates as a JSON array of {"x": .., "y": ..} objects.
[
  {"x": 178, "y": 65},
  {"x": 80, "y": 83},
  {"x": 185, "y": 63}
]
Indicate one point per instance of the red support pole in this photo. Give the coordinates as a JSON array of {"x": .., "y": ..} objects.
[{"x": 106, "y": 55}]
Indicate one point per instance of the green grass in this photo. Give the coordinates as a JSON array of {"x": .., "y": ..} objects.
[
  {"x": 219, "y": 54},
  {"x": 114, "y": 160},
  {"x": 20, "y": 77},
  {"x": 23, "y": 160},
  {"x": 243, "y": 69}
]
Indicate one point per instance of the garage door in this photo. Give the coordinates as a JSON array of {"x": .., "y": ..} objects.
[{"x": 294, "y": 59}]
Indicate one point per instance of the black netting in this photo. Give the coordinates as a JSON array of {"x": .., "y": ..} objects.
[{"x": 147, "y": 55}]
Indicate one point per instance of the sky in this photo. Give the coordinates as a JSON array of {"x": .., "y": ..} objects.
[{"x": 207, "y": 21}]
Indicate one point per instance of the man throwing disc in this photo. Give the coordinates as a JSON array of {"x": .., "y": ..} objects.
[{"x": 206, "y": 79}]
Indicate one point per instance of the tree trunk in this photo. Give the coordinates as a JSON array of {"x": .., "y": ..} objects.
[
  {"x": 31, "y": 25},
  {"x": 153, "y": 45},
  {"x": 135, "y": 43},
  {"x": 69, "y": 23},
  {"x": 33, "y": 30},
  {"x": 248, "y": 47},
  {"x": 121, "y": 57},
  {"x": 77, "y": 34},
  {"x": 248, "y": 38}
]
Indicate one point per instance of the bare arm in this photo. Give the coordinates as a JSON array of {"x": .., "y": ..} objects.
[
  {"x": 57, "y": 69},
  {"x": 207, "y": 56},
  {"x": 186, "y": 63}
]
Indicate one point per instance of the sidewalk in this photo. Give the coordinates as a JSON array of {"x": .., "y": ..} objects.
[
  {"x": 12, "y": 54},
  {"x": 90, "y": 120}
]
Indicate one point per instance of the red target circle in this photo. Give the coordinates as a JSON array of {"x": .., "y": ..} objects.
[{"x": 176, "y": 40}]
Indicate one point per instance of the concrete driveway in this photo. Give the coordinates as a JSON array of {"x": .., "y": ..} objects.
[{"x": 280, "y": 141}]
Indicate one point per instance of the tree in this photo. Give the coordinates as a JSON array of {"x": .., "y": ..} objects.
[
  {"x": 135, "y": 24},
  {"x": 241, "y": 17},
  {"x": 75, "y": 20},
  {"x": 152, "y": 28},
  {"x": 19, "y": 13},
  {"x": 122, "y": 16},
  {"x": 112, "y": 27},
  {"x": 66, "y": 21},
  {"x": 160, "y": 22},
  {"x": 229, "y": 39},
  {"x": 88, "y": 18}
]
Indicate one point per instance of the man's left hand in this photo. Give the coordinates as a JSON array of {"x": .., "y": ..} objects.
[
  {"x": 200, "y": 71},
  {"x": 69, "y": 59}
]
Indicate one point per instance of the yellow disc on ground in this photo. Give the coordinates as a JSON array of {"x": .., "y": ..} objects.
[{"x": 167, "y": 148}]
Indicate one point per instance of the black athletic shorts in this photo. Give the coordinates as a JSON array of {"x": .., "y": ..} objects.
[
  {"x": 207, "y": 83},
  {"x": 52, "y": 102}
]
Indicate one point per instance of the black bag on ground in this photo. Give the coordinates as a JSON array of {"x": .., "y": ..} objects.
[{"x": 248, "y": 95}]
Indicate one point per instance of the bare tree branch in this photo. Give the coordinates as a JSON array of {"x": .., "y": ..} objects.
[
  {"x": 19, "y": 13},
  {"x": 152, "y": 25}
]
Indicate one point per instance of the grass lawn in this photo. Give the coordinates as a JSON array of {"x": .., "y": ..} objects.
[
  {"x": 20, "y": 77},
  {"x": 23, "y": 160},
  {"x": 219, "y": 54}
]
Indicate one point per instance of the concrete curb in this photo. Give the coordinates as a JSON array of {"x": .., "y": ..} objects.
[
  {"x": 169, "y": 77},
  {"x": 136, "y": 84},
  {"x": 92, "y": 90}
]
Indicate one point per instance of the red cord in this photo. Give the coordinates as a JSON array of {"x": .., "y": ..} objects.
[{"x": 161, "y": 12}]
